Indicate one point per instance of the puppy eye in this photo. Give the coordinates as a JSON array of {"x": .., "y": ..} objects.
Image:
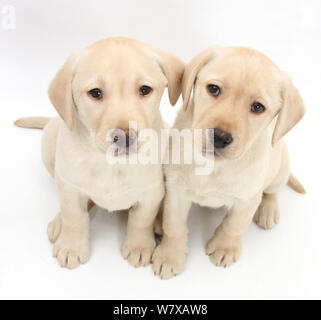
[
  {"x": 214, "y": 90},
  {"x": 96, "y": 93},
  {"x": 257, "y": 107},
  {"x": 145, "y": 90}
]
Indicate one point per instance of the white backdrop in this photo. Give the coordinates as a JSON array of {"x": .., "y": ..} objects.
[{"x": 282, "y": 263}]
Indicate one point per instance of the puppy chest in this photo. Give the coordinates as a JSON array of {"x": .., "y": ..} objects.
[
  {"x": 113, "y": 187},
  {"x": 205, "y": 192},
  {"x": 208, "y": 199},
  {"x": 117, "y": 199}
]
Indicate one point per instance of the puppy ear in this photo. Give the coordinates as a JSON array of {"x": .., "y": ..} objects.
[
  {"x": 173, "y": 68},
  {"x": 292, "y": 110},
  {"x": 191, "y": 71},
  {"x": 60, "y": 91}
]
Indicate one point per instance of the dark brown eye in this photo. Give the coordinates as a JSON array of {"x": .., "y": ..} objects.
[
  {"x": 145, "y": 90},
  {"x": 214, "y": 90},
  {"x": 257, "y": 107},
  {"x": 96, "y": 93}
]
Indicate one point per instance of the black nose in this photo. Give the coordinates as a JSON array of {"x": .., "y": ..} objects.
[
  {"x": 219, "y": 138},
  {"x": 124, "y": 138}
]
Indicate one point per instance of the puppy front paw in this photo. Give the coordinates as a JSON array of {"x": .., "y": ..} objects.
[
  {"x": 268, "y": 213},
  {"x": 223, "y": 251},
  {"x": 168, "y": 261},
  {"x": 71, "y": 250},
  {"x": 138, "y": 253}
]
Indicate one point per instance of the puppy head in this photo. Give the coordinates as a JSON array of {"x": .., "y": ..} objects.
[
  {"x": 237, "y": 93},
  {"x": 113, "y": 82}
]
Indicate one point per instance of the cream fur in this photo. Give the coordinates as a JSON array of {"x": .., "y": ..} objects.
[
  {"x": 74, "y": 144},
  {"x": 249, "y": 173}
]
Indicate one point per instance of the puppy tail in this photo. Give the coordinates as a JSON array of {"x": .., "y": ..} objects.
[
  {"x": 32, "y": 122},
  {"x": 295, "y": 184}
]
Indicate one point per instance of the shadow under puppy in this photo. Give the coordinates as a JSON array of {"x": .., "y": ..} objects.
[
  {"x": 244, "y": 105},
  {"x": 96, "y": 93}
]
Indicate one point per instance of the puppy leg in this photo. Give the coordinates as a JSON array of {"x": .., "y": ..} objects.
[
  {"x": 225, "y": 246},
  {"x": 268, "y": 213},
  {"x": 139, "y": 242},
  {"x": 54, "y": 227},
  {"x": 158, "y": 225},
  {"x": 72, "y": 245},
  {"x": 169, "y": 257}
]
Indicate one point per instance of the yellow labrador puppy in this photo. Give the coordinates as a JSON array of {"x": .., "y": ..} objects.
[
  {"x": 97, "y": 92},
  {"x": 244, "y": 105}
]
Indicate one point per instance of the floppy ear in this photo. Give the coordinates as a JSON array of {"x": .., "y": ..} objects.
[
  {"x": 191, "y": 71},
  {"x": 60, "y": 91},
  {"x": 173, "y": 68},
  {"x": 292, "y": 110}
]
